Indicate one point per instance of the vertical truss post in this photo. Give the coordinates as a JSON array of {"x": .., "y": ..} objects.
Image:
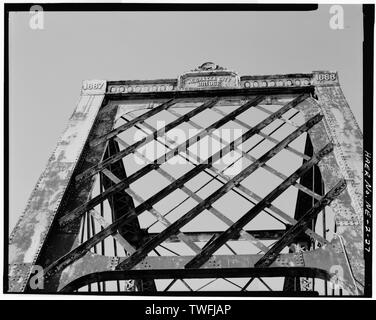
[
  {"x": 30, "y": 235},
  {"x": 131, "y": 230},
  {"x": 311, "y": 180},
  {"x": 340, "y": 127}
]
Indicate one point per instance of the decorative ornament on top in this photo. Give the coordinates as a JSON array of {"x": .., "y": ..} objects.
[
  {"x": 208, "y": 66},
  {"x": 209, "y": 76}
]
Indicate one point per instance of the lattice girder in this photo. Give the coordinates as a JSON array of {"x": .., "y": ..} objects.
[{"x": 48, "y": 232}]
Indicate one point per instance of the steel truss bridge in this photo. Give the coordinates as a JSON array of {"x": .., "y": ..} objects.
[{"x": 98, "y": 221}]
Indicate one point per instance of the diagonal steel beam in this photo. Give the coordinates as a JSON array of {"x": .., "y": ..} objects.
[
  {"x": 300, "y": 226},
  {"x": 120, "y": 155},
  {"x": 132, "y": 213},
  {"x": 124, "y": 183},
  {"x": 290, "y": 122},
  {"x": 205, "y": 254},
  {"x": 264, "y": 135},
  {"x": 128, "y": 125},
  {"x": 80, "y": 250},
  {"x": 154, "y": 212},
  {"x": 194, "y": 196},
  {"x": 253, "y": 159},
  {"x": 182, "y": 236},
  {"x": 216, "y": 173},
  {"x": 118, "y": 237},
  {"x": 148, "y": 246},
  {"x": 204, "y": 236},
  {"x": 246, "y": 191}
]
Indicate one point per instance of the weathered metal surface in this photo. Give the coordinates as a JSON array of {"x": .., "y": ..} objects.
[
  {"x": 18, "y": 276},
  {"x": 80, "y": 250},
  {"x": 313, "y": 181},
  {"x": 147, "y": 247},
  {"x": 242, "y": 92},
  {"x": 164, "y": 158},
  {"x": 145, "y": 140},
  {"x": 205, "y": 254},
  {"x": 62, "y": 239},
  {"x": 242, "y": 188},
  {"x": 204, "y": 236},
  {"x": 255, "y": 81},
  {"x": 31, "y": 230},
  {"x": 302, "y": 242},
  {"x": 37, "y": 239},
  {"x": 279, "y": 80},
  {"x": 265, "y": 136},
  {"x": 153, "y": 211},
  {"x": 302, "y": 224},
  {"x": 249, "y": 157},
  {"x": 131, "y": 230},
  {"x": 114, "y": 132},
  {"x": 118, "y": 237},
  {"x": 78, "y": 211},
  {"x": 327, "y": 258},
  {"x": 199, "y": 274},
  {"x": 194, "y": 196},
  {"x": 333, "y": 258},
  {"x": 120, "y": 199},
  {"x": 340, "y": 127},
  {"x": 96, "y": 263}
]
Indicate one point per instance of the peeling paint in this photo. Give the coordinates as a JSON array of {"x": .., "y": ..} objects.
[
  {"x": 339, "y": 126},
  {"x": 32, "y": 228},
  {"x": 346, "y": 161}
]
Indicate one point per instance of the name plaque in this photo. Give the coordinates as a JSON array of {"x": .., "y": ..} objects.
[{"x": 209, "y": 76}]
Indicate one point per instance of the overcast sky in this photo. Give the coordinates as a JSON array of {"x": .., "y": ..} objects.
[{"x": 47, "y": 66}]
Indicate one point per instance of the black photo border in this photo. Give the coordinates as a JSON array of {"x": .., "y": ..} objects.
[{"x": 368, "y": 76}]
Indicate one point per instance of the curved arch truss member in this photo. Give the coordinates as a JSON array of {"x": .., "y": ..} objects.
[
  {"x": 329, "y": 259},
  {"x": 197, "y": 274}
]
